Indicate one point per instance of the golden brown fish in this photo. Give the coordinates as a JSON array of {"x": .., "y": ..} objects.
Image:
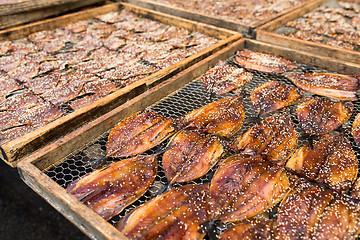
[
  {"x": 246, "y": 185},
  {"x": 222, "y": 118},
  {"x": 193, "y": 155},
  {"x": 251, "y": 229},
  {"x": 300, "y": 212},
  {"x": 271, "y": 96},
  {"x": 109, "y": 190},
  {"x": 175, "y": 214},
  {"x": 138, "y": 133},
  {"x": 263, "y": 62},
  {"x": 331, "y": 161},
  {"x": 319, "y": 116},
  {"x": 225, "y": 77},
  {"x": 275, "y": 138},
  {"x": 356, "y": 130},
  {"x": 332, "y": 85}
]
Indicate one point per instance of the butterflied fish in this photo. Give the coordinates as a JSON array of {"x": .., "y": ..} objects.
[
  {"x": 331, "y": 160},
  {"x": 356, "y": 129},
  {"x": 275, "y": 138},
  {"x": 332, "y": 85},
  {"x": 109, "y": 190},
  {"x": 255, "y": 229},
  {"x": 192, "y": 155},
  {"x": 319, "y": 116},
  {"x": 222, "y": 118},
  {"x": 246, "y": 185},
  {"x": 175, "y": 214},
  {"x": 263, "y": 62},
  {"x": 138, "y": 133},
  {"x": 225, "y": 77},
  {"x": 271, "y": 96},
  {"x": 300, "y": 212}
]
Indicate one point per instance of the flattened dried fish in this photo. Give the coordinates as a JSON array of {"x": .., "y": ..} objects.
[
  {"x": 275, "y": 138},
  {"x": 319, "y": 116},
  {"x": 356, "y": 129},
  {"x": 222, "y": 118},
  {"x": 109, "y": 190},
  {"x": 251, "y": 229},
  {"x": 138, "y": 133},
  {"x": 175, "y": 214},
  {"x": 271, "y": 96},
  {"x": 336, "y": 86},
  {"x": 331, "y": 161},
  {"x": 224, "y": 77},
  {"x": 246, "y": 185},
  {"x": 263, "y": 62},
  {"x": 193, "y": 155}
]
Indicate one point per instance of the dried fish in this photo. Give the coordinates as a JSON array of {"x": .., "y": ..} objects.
[
  {"x": 356, "y": 130},
  {"x": 319, "y": 116},
  {"x": 222, "y": 118},
  {"x": 331, "y": 161},
  {"x": 263, "y": 62},
  {"x": 275, "y": 138},
  {"x": 193, "y": 154},
  {"x": 109, "y": 190},
  {"x": 245, "y": 185},
  {"x": 138, "y": 133},
  {"x": 250, "y": 229},
  {"x": 175, "y": 214},
  {"x": 272, "y": 95},
  {"x": 332, "y": 85},
  {"x": 225, "y": 77}
]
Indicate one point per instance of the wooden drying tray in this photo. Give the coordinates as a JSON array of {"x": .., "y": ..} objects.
[
  {"x": 13, "y": 151},
  {"x": 266, "y": 34},
  {"x": 23, "y": 11},
  {"x": 31, "y": 169},
  {"x": 209, "y": 19}
]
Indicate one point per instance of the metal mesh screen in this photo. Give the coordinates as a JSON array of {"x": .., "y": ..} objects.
[{"x": 190, "y": 97}]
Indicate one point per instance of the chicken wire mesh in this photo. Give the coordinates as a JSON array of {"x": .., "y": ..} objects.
[{"x": 175, "y": 105}]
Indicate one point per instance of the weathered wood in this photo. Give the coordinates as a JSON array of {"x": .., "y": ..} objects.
[
  {"x": 266, "y": 34},
  {"x": 27, "y": 16},
  {"x": 31, "y": 168},
  {"x": 13, "y": 151},
  {"x": 209, "y": 19}
]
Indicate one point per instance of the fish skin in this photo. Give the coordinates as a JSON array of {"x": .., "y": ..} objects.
[
  {"x": 272, "y": 95},
  {"x": 274, "y": 138},
  {"x": 224, "y": 78},
  {"x": 301, "y": 210},
  {"x": 356, "y": 130},
  {"x": 251, "y": 229},
  {"x": 336, "y": 86},
  {"x": 244, "y": 186},
  {"x": 109, "y": 190},
  {"x": 193, "y": 154},
  {"x": 175, "y": 214},
  {"x": 257, "y": 61},
  {"x": 138, "y": 133},
  {"x": 222, "y": 118},
  {"x": 320, "y": 116},
  {"x": 331, "y": 161}
]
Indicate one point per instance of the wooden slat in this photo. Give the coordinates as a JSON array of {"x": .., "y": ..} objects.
[
  {"x": 13, "y": 151},
  {"x": 266, "y": 34},
  {"x": 31, "y": 168},
  {"x": 15, "y": 19}
]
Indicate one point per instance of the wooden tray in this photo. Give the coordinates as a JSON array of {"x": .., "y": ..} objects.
[
  {"x": 17, "y": 12},
  {"x": 266, "y": 33},
  {"x": 32, "y": 169},
  {"x": 213, "y": 20},
  {"x": 12, "y": 151}
]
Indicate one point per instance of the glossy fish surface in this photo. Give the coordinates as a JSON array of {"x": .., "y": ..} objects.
[
  {"x": 109, "y": 190},
  {"x": 254, "y": 229}
]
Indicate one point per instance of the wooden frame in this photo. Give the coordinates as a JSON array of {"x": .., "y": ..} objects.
[
  {"x": 212, "y": 20},
  {"x": 13, "y": 151},
  {"x": 265, "y": 33},
  {"x": 31, "y": 168}
]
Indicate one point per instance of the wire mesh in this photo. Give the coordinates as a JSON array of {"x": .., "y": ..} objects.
[{"x": 175, "y": 105}]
